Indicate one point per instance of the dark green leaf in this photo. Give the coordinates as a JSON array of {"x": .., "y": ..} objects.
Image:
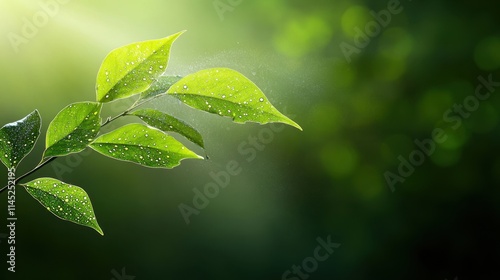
[
  {"x": 143, "y": 145},
  {"x": 131, "y": 69},
  {"x": 73, "y": 129},
  {"x": 160, "y": 86},
  {"x": 168, "y": 123},
  {"x": 67, "y": 202},
  {"x": 17, "y": 139},
  {"x": 228, "y": 93}
]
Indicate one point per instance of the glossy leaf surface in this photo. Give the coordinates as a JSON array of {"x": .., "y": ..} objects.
[
  {"x": 73, "y": 129},
  {"x": 67, "y": 202},
  {"x": 227, "y": 93},
  {"x": 17, "y": 139},
  {"x": 143, "y": 145}
]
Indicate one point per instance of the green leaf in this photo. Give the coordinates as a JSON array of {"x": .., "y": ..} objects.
[
  {"x": 167, "y": 123},
  {"x": 131, "y": 69},
  {"x": 160, "y": 86},
  {"x": 227, "y": 93},
  {"x": 67, "y": 202},
  {"x": 17, "y": 139},
  {"x": 73, "y": 129},
  {"x": 143, "y": 145}
]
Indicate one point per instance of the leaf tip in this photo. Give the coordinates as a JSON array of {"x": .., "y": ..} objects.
[
  {"x": 298, "y": 127},
  {"x": 177, "y": 35},
  {"x": 99, "y": 230},
  {"x": 290, "y": 122}
]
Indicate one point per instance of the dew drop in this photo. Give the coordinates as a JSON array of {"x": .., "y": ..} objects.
[{"x": 261, "y": 99}]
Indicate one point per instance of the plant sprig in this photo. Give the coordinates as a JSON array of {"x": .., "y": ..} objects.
[{"x": 130, "y": 71}]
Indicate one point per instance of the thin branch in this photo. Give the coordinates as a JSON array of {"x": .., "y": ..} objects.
[{"x": 42, "y": 164}]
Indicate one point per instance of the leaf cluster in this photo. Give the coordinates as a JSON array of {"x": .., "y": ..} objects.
[{"x": 132, "y": 71}]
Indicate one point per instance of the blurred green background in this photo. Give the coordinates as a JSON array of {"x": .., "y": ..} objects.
[{"x": 359, "y": 112}]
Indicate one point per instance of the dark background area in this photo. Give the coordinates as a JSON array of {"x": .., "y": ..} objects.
[{"x": 361, "y": 114}]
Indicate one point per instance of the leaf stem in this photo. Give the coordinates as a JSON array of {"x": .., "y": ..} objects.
[
  {"x": 40, "y": 165},
  {"x": 134, "y": 106}
]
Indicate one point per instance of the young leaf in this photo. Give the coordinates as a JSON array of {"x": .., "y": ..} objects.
[
  {"x": 167, "y": 123},
  {"x": 228, "y": 93},
  {"x": 160, "y": 86},
  {"x": 73, "y": 129},
  {"x": 131, "y": 69},
  {"x": 143, "y": 145},
  {"x": 67, "y": 202},
  {"x": 17, "y": 139}
]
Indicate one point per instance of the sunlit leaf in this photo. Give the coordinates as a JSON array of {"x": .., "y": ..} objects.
[
  {"x": 73, "y": 129},
  {"x": 67, "y": 202},
  {"x": 168, "y": 123},
  {"x": 160, "y": 86},
  {"x": 143, "y": 145},
  {"x": 17, "y": 139},
  {"x": 228, "y": 93},
  {"x": 131, "y": 69}
]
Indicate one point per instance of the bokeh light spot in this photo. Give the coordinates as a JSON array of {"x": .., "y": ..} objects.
[
  {"x": 433, "y": 104},
  {"x": 325, "y": 115},
  {"x": 388, "y": 68},
  {"x": 455, "y": 138},
  {"x": 303, "y": 35},
  {"x": 339, "y": 159},
  {"x": 487, "y": 54},
  {"x": 355, "y": 16}
]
